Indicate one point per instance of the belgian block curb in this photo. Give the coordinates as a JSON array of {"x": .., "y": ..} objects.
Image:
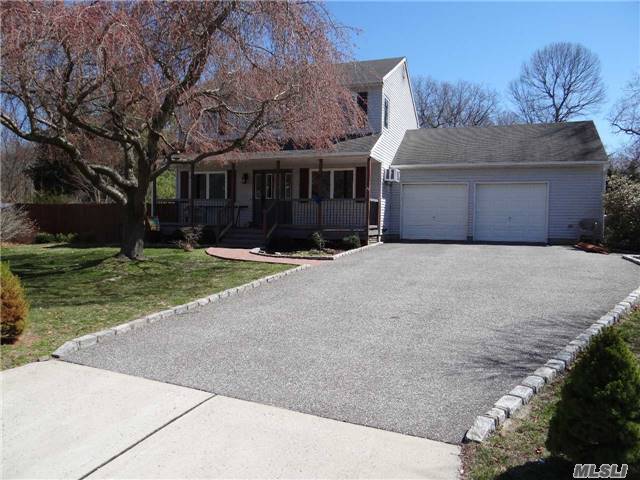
[
  {"x": 484, "y": 425},
  {"x": 91, "y": 339}
]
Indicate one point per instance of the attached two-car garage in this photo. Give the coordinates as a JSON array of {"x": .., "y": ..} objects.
[
  {"x": 515, "y": 183},
  {"x": 496, "y": 212}
]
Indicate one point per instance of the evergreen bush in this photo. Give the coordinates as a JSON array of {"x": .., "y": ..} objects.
[
  {"x": 598, "y": 417},
  {"x": 13, "y": 315}
]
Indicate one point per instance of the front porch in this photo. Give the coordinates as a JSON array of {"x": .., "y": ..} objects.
[{"x": 281, "y": 198}]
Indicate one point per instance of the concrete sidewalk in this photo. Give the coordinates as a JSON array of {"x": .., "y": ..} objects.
[{"x": 61, "y": 420}]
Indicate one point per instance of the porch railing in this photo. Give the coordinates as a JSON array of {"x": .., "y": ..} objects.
[
  {"x": 336, "y": 213},
  {"x": 205, "y": 212}
]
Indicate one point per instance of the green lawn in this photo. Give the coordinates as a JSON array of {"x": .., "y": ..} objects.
[
  {"x": 75, "y": 291},
  {"x": 518, "y": 452}
]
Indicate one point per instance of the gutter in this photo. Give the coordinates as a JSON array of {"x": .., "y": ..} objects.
[{"x": 501, "y": 164}]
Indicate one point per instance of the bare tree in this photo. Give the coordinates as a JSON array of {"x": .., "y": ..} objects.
[
  {"x": 445, "y": 104},
  {"x": 16, "y": 156},
  {"x": 507, "y": 117},
  {"x": 157, "y": 79},
  {"x": 15, "y": 224},
  {"x": 561, "y": 81},
  {"x": 625, "y": 118}
]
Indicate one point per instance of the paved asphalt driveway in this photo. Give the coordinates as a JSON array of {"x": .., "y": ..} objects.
[{"x": 413, "y": 338}]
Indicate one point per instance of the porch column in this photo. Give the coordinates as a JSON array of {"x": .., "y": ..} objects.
[
  {"x": 380, "y": 185},
  {"x": 278, "y": 187},
  {"x": 234, "y": 188},
  {"x": 367, "y": 210},
  {"x": 192, "y": 186},
  {"x": 320, "y": 161}
]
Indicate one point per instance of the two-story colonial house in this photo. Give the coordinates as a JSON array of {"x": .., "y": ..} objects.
[{"x": 518, "y": 183}]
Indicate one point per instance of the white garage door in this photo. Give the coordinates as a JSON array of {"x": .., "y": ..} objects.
[
  {"x": 511, "y": 212},
  {"x": 434, "y": 212}
]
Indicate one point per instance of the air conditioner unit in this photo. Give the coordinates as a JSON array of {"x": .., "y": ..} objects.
[{"x": 392, "y": 175}]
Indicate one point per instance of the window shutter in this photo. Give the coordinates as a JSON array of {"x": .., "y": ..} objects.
[
  {"x": 361, "y": 181},
  {"x": 230, "y": 180},
  {"x": 304, "y": 183},
  {"x": 184, "y": 184}
]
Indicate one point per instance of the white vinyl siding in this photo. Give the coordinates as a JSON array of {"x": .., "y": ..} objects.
[
  {"x": 575, "y": 192},
  {"x": 402, "y": 117}
]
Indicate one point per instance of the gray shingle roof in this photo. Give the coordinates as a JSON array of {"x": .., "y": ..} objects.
[
  {"x": 358, "y": 146},
  {"x": 368, "y": 71},
  {"x": 548, "y": 142}
]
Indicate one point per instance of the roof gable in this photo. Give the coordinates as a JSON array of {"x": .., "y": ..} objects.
[
  {"x": 367, "y": 72},
  {"x": 509, "y": 144}
]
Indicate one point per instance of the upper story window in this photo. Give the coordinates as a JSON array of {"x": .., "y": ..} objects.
[
  {"x": 386, "y": 113},
  {"x": 363, "y": 101}
]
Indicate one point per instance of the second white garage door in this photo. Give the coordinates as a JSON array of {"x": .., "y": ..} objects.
[
  {"x": 434, "y": 211},
  {"x": 511, "y": 212}
]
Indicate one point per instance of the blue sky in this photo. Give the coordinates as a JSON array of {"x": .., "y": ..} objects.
[{"x": 487, "y": 42}]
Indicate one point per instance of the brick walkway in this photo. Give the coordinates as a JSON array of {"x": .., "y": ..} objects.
[{"x": 245, "y": 255}]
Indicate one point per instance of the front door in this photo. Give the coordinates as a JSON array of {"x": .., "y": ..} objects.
[{"x": 268, "y": 187}]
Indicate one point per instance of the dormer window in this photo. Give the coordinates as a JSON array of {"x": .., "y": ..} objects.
[
  {"x": 363, "y": 101},
  {"x": 386, "y": 113}
]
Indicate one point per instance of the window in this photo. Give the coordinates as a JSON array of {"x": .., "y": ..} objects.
[
  {"x": 334, "y": 184},
  {"x": 217, "y": 186},
  {"x": 386, "y": 112},
  {"x": 363, "y": 101},
  {"x": 200, "y": 191},
  {"x": 343, "y": 184},
  {"x": 320, "y": 187}
]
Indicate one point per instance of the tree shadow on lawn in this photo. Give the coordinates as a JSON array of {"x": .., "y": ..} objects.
[
  {"x": 547, "y": 469},
  {"x": 29, "y": 267}
]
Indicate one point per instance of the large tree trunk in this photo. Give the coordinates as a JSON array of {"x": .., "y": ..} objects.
[{"x": 133, "y": 228}]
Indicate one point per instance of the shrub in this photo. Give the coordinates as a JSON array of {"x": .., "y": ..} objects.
[
  {"x": 15, "y": 224},
  {"x": 351, "y": 241},
  {"x": 44, "y": 237},
  {"x": 622, "y": 205},
  {"x": 190, "y": 238},
  {"x": 598, "y": 417},
  {"x": 318, "y": 241},
  {"x": 13, "y": 315},
  {"x": 84, "y": 237}
]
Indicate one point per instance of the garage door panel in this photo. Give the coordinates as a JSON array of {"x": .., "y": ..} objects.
[
  {"x": 511, "y": 212},
  {"x": 435, "y": 212}
]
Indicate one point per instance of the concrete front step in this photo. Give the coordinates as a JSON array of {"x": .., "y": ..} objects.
[{"x": 242, "y": 238}]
